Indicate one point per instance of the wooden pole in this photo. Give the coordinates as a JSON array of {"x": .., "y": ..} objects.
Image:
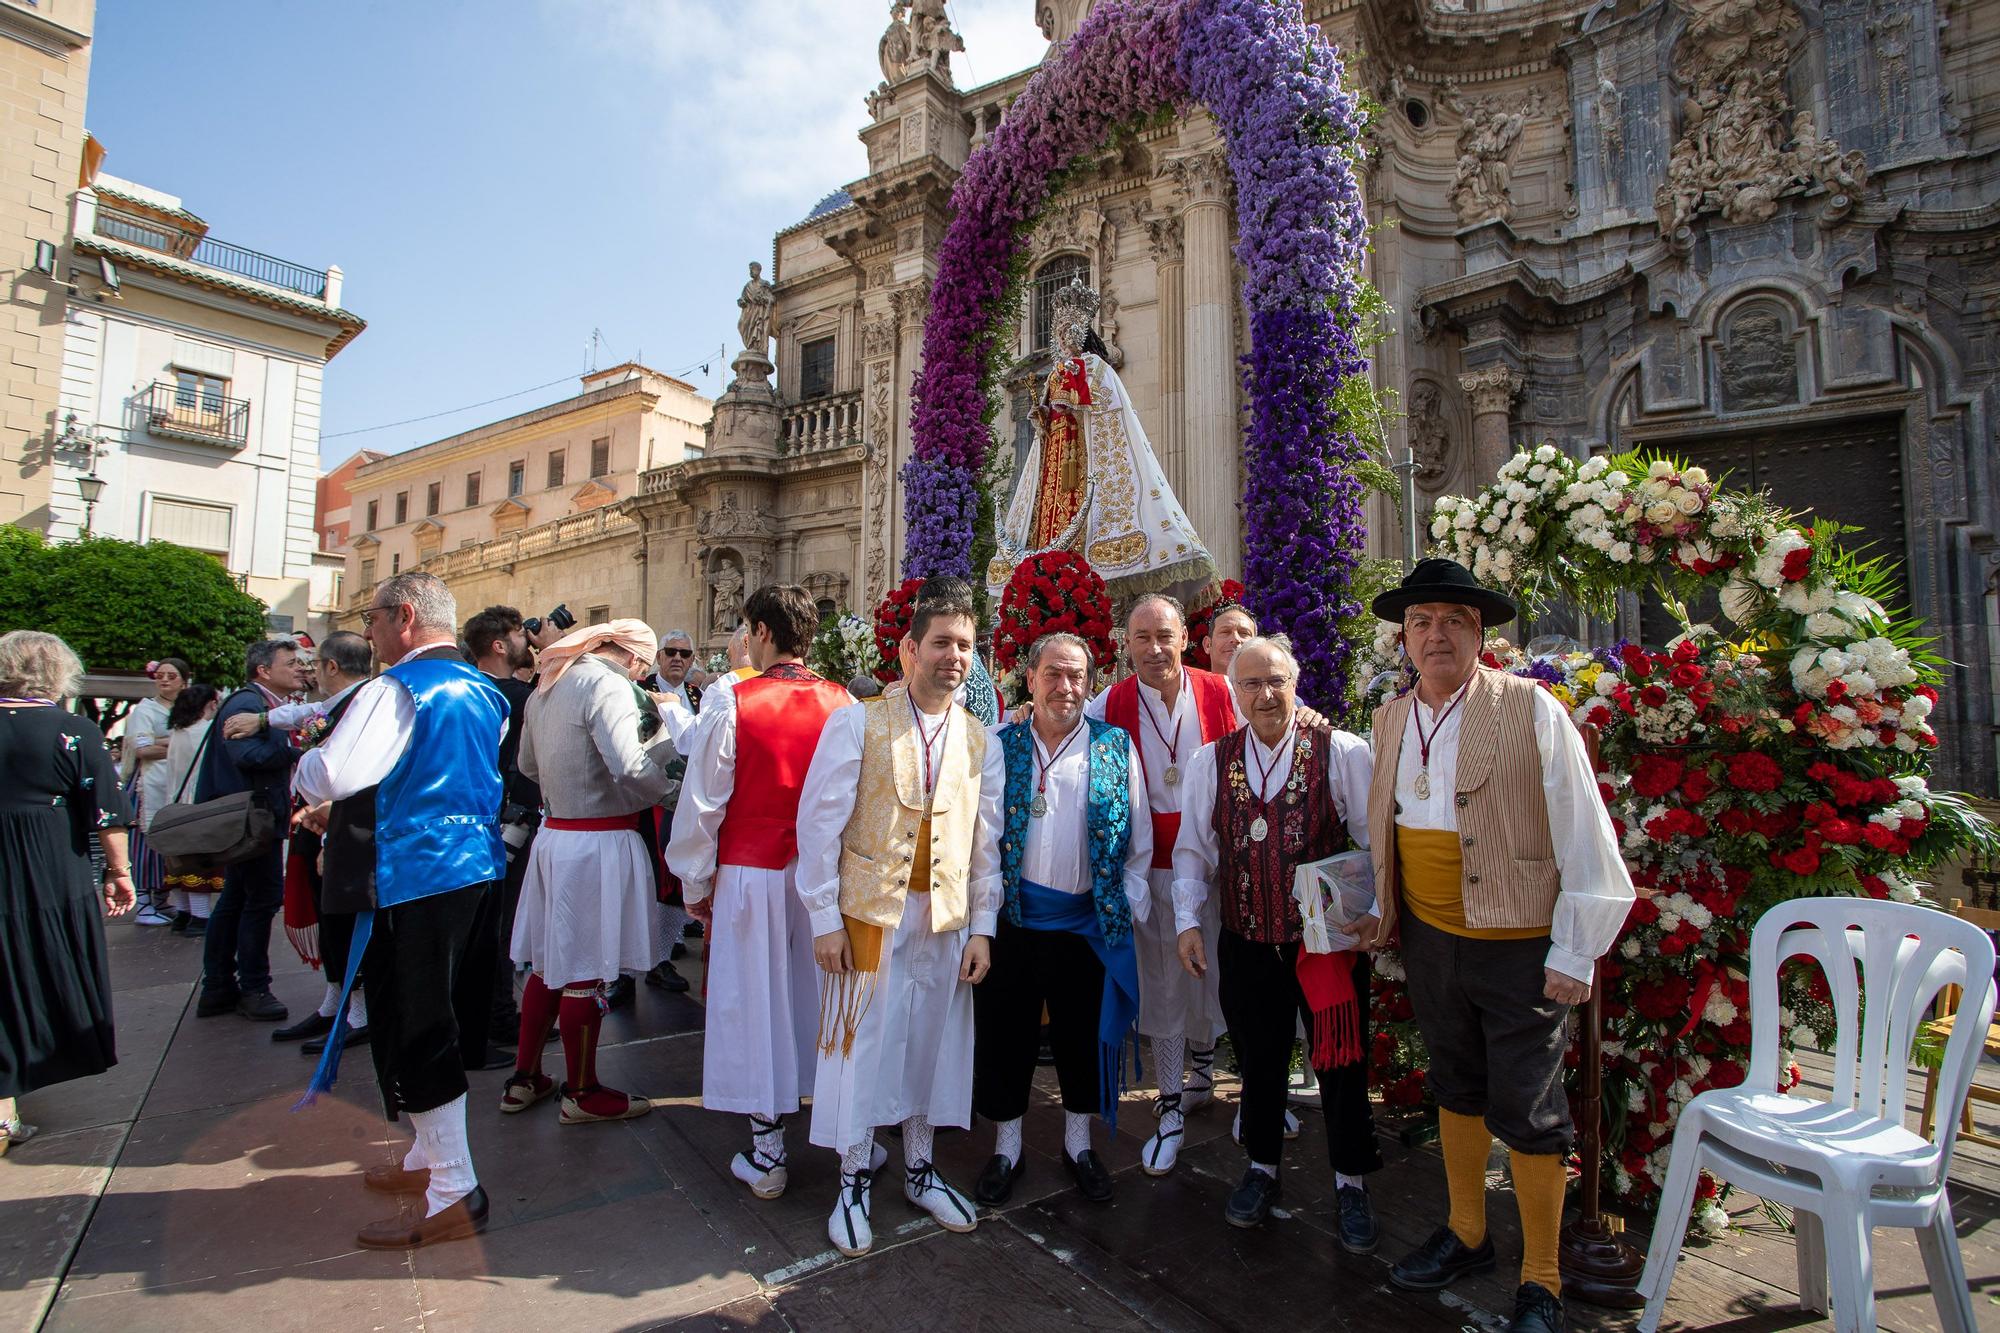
[{"x": 1598, "y": 1266}]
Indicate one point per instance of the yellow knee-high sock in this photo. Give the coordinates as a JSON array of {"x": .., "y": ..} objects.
[
  {"x": 1466, "y": 1144},
  {"x": 1539, "y": 1179}
]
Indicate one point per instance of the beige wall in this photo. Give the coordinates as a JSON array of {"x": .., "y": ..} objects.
[
  {"x": 651, "y": 420},
  {"x": 44, "y": 74}
]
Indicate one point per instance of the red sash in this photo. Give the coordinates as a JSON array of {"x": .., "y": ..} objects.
[
  {"x": 1214, "y": 708},
  {"x": 599, "y": 824}
]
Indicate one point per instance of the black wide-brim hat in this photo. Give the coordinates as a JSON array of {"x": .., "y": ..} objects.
[{"x": 1444, "y": 581}]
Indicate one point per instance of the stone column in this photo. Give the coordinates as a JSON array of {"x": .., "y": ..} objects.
[
  {"x": 1210, "y": 491},
  {"x": 1492, "y": 391},
  {"x": 1171, "y": 258}
]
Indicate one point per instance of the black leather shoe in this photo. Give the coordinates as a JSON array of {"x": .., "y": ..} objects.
[
  {"x": 996, "y": 1182},
  {"x": 678, "y": 952},
  {"x": 1092, "y": 1180},
  {"x": 396, "y": 1180},
  {"x": 260, "y": 1006},
  {"x": 312, "y": 1025},
  {"x": 213, "y": 1004},
  {"x": 1358, "y": 1232},
  {"x": 666, "y": 978},
  {"x": 620, "y": 993},
  {"x": 465, "y": 1218},
  {"x": 355, "y": 1037},
  {"x": 1251, "y": 1203},
  {"x": 1440, "y": 1260},
  {"x": 1536, "y": 1310}
]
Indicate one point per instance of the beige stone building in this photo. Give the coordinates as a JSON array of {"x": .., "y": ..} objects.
[
  {"x": 1763, "y": 234},
  {"x": 528, "y": 511},
  {"x": 44, "y": 75}
]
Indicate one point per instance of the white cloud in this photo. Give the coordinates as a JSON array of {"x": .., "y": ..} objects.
[{"x": 763, "y": 99}]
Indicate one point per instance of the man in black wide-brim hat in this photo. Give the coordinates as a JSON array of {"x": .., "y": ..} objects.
[{"x": 1495, "y": 857}]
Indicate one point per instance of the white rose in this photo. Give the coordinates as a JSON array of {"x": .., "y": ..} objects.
[
  {"x": 1660, "y": 467},
  {"x": 1462, "y": 519},
  {"x": 1545, "y": 454},
  {"x": 1621, "y": 552},
  {"x": 1688, "y": 502},
  {"x": 1661, "y": 512},
  {"x": 1491, "y": 523},
  {"x": 1694, "y": 476}
]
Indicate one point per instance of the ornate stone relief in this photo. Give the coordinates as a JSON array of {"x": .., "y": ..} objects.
[
  {"x": 1489, "y": 135},
  {"x": 880, "y": 425},
  {"x": 1491, "y": 390},
  {"x": 1199, "y": 177},
  {"x": 878, "y": 337},
  {"x": 1741, "y": 148},
  {"x": 1163, "y": 235},
  {"x": 1758, "y": 365},
  {"x": 728, "y": 520},
  {"x": 911, "y": 304},
  {"x": 1430, "y": 438}
]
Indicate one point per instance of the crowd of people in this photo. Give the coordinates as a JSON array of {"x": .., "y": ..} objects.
[{"x": 905, "y": 898}]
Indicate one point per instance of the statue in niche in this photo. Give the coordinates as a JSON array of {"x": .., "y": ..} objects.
[
  {"x": 1430, "y": 443},
  {"x": 726, "y": 588},
  {"x": 1488, "y": 134},
  {"x": 1090, "y": 482},
  {"x": 756, "y": 303}
]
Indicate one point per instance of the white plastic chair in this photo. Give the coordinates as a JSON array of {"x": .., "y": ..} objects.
[{"x": 1847, "y": 1165}]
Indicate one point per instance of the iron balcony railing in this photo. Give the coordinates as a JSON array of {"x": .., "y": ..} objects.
[
  {"x": 193, "y": 414},
  {"x": 182, "y": 243}
]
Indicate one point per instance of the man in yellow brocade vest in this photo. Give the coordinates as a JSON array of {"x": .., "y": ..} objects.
[{"x": 1496, "y": 858}]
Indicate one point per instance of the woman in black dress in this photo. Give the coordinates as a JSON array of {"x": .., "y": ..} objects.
[{"x": 58, "y": 785}]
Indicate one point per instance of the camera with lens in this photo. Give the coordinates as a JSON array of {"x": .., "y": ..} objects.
[{"x": 560, "y": 618}]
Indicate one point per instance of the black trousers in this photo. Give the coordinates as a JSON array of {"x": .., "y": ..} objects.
[
  {"x": 472, "y": 989},
  {"x": 411, "y": 970},
  {"x": 1032, "y": 968},
  {"x": 336, "y": 929},
  {"x": 1262, "y": 1003},
  {"x": 236, "y": 947},
  {"x": 505, "y": 1016},
  {"x": 1496, "y": 1041}
]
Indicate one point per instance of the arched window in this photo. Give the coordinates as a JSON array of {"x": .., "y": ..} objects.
[{"x": 1051, "y": 278}]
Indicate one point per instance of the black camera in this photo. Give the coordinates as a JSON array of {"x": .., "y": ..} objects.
[{"x": 560, "y": 618}]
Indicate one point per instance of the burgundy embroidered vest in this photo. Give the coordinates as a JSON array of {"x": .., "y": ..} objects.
[{"x": 1255, "y": 878}]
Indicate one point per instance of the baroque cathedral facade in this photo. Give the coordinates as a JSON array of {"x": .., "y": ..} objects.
[{"x": 1759, "y": 233}]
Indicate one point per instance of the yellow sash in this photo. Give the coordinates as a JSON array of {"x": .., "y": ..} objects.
[
  {"x": 848, "y": 996},
  {"x": 1433, "y": 886}
]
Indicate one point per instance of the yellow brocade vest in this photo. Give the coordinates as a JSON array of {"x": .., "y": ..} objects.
[{"x": 878, "y": 849}]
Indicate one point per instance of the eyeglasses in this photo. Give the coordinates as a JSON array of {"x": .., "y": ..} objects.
[
  {"x": 368, "y": 616},
  {"x": 1272, "y": 684},
  {"x": 1451, "y": 623},
  {"x": 677, "y": 652}
]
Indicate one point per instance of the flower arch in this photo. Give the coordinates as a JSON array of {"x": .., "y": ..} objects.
[{"x": 1293, "y": 135}]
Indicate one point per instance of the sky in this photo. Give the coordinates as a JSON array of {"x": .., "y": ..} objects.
[{"x": 500, "y": 179}]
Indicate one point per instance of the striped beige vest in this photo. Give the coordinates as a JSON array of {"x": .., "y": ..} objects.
[{"x": 1509, "y": 880}]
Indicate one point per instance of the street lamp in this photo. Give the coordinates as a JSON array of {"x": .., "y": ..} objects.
[{"x": 90, "y": 486}]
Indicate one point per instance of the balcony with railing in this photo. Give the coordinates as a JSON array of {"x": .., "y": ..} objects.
[
  {"x": 183, "y": 413},
  {"x": 196, "y": 247},
  {"x": 821, "y": 424}
]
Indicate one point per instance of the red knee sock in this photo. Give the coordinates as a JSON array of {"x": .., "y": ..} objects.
[
  {"x": 538, "y": 1015},
  {"x": 580, "y": 1018}
]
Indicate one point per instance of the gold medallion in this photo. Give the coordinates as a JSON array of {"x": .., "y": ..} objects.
[{"x": 1423, "y": 784}]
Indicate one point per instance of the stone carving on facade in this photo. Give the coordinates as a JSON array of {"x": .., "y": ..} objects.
[
  {"x": 1741, "y": 149},
  {"x": 1059, "y": 229},
  {"x": 1199, "y": 177},
  {"x": 727, "y": 519},
  {"x": 1430, "y": 440},
  {"x": 1489, "y": 134},
  {"x": 1889, "y": 38},
  {"x": 1163, "y": 235},
  {"x": 1759, "y": 366},
  {"x": 911, "y": 304},
  {"x": 1107, "y": 326},
  {"x": 725, "y": 590},
  {"x": 881, "y": 421},
  {"x": 919, "y": 37},
  {"x": 878, "y": 337},
  {"x": 756, "y": 304},
  {"x": 1610, "y": 133},
  {"x": 1491, "y": 390}
]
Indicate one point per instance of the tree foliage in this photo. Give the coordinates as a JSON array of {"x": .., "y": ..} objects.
[{"x": 121, "y": 605}]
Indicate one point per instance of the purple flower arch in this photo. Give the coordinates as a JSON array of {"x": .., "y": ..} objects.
[{"x": 1273, "y": 84}]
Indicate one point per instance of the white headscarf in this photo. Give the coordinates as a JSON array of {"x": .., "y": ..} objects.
[{"x": 634, "y": 636}]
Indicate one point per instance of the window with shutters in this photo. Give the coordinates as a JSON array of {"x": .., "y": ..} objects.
[
  {"x": 517, "y": 479},
  {"x": 395, "y": 564},
  {"x": 191, "y": 523},
  {"x": 600, "y": 458},
  {"x": 471, "y": 489},
  {"x": 433, "y": 497},
  {"x": 374, "y": 513},
  {"x": 402, "y": 506},
  {"x": 556, "y": 462}
]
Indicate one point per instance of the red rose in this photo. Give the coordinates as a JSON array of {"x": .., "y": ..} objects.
[
  {"x": 1874, "y": 885},
  {"x": 1656, "y": 775},
  {"x": 1796, "y": 564},
  {"x": 1636, "y": 661},
  {"x": 1804, "y": 861},
  {"x": 1843, "y": 831},
  {"x": 1687, "y": 675},
  {"x": 1653, "y": 696},
  {"x": 1735, "y": 821},
  {"x": 1673, "y": 945},
  {"x": 1751, "y": 771},
  {"x": 1687, "y": 651}
]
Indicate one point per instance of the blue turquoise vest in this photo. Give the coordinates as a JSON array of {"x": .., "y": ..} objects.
[
  {"x": 1108, "y": 819},
  {"x": 437, "y": 823}
]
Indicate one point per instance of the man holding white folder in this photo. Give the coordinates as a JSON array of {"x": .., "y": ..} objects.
[{"x": 1259, "y": 803}]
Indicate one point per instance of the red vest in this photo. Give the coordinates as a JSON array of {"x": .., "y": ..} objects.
[
  {"x": 779, "y": 716},
  {"x": 1214, "y": 708}
]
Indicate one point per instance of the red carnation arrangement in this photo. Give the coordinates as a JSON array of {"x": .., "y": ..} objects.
[
  {"x": 1056, "y": 592},
  {"x": 1230, "y": 594},
  {"x": 892, "y": 623}
]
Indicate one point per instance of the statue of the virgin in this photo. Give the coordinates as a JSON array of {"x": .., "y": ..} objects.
[{"x": 1090, "y": 483}]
